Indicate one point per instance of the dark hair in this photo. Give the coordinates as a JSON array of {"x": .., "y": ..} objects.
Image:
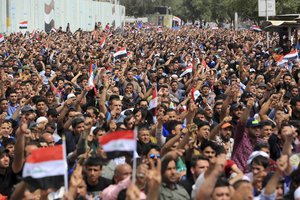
[
  {"x": 220, "y": 149},
  {"x": 49, "y": 93},
  {"x": 97, "y": 129},
  {"x": 266, "y": 123},
  {"x": 208, "y": 143},
  {"x": 286, "y": 74},
  {"x": 170, "y": 110},
  {"x": 51, "y": 125},
  {"x": 295, "y": 176},
  {"x": 95, "y": 110},
  {"x": 258, "y": 146},
  {"x": 195, "y": 159},
  {"x": 77, "y": 121},
  {"x": 143, "y": 127},
  {"x": 94, "y": 161},
  {"x": 222, "y": 182},
  {"x": 12, "y": 91},
  {"x": 129, "y": 84},
  {"x": 142, "y": 110},
  {"x": 148, "y": 148},
  {"x": 201, "y": 112},
  {"x": 40, "y": 100},
  {"x": 260, "y": 160},
  {"x": 170, "y": 125},
  {"x": 52, "y": 112},
  {"x": 113, "y": 97},
  {"x": 218, "y": 103},
  {"x": 295, "y": 100},
  {"x": 3, "y": 99},
  {"x": 164, "y": 164},
  {"x": 127, "y": 119},
  {"x": 7, "y": 141}
]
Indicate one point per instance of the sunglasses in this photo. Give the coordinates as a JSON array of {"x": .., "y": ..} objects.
[{"x": 152, "y": 156}]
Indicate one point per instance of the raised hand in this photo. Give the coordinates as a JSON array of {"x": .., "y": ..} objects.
[
  {"x": 282, "y": 163},
  {"x": 133, "y": 192}
]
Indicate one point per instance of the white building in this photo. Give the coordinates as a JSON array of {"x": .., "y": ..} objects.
[{"x": 47, "y": 14}]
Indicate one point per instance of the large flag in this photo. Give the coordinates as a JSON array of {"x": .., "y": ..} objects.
[
  {"x": 23, "y": 25},
  {"x": 1, "y": 38},
  {"x": 119, "y": 143},
  {"x": 282, "y": 60},
  {"x": 102, "y": 42},
  {"x": 188, "y": 69},
  {"x": 291, "y": 56},
  {"x": 45, "y": 168},
  {"x": 120, "y": 53}
]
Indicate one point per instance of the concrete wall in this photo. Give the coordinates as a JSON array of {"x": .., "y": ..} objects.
[{"x": 79, "y": 13}]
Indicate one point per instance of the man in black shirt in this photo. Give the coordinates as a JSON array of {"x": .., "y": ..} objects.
[
  {"x": 7, "y": 177},
  {"x": 95, "y": 183}
]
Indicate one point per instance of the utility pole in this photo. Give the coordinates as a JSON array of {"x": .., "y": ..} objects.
[{"x": 267, "y": 19}]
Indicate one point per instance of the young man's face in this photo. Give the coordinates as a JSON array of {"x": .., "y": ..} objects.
[
  {"x": 221, "y": 193},
  {"x": 256, "y": 169},
  {"x": 13, "y": 97},
  {"x": 4, "y": 160},
  {"x": 41, "y": 106},
  {"x": 170, "y": 175},
  {"x": 201, "y": 166},
  {"x": 11, "y": 149},
  {"x": 93, "y": 173},
  {"x": 6, "y": 129}
]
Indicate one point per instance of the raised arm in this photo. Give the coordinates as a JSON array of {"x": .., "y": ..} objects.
[
  {"x": 20, "y": 146},
  {"x": 206, "y": 189},
  {"x": 246, "y": 113},
  {"x": 214, "y": 132}
]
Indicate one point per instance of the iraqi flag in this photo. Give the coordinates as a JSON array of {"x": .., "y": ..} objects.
[
  {"x": 282, "y": 62},
  {"x": 91, "y": 82},
  {"x": 195, "y": 94},
  {"x": 102, "y": 42},
  {"x": 153, "y": 101},
  {"x": 188, "y": 69},
  {"x": 45, "y": 168},
  {"x": 23, "y": 25},
  {"x": 255, "y": 28},
  {"x": 120, "y": 53},
  {"x": 1, "y": 38},
  {"x": 119, "y": 143},
  {"x": 291, "y": 56},
  {"x": 95, "y": 35}
]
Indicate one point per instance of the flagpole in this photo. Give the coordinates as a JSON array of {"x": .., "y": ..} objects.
[
  {"x": 134, "y": 157},
  {"x": 66, "y": 165}
]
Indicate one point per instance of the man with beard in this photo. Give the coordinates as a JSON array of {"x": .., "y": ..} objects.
[
  {"x": 246, "y": 135},
  {"x": 169, "y": 188},
  {"x": 235, "y": 113},
  {"x": 295, "y": 103},
  {"x": 222, "y": 135}
]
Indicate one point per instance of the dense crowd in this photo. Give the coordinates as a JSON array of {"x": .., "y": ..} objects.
[{"x": 224, "y": 125}]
